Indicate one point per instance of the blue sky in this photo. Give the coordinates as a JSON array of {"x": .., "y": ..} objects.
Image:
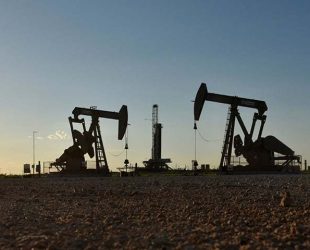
[{"x": 55, "y": 55}]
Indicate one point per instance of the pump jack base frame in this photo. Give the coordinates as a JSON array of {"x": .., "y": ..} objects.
[{"x": 276, "y": 169}]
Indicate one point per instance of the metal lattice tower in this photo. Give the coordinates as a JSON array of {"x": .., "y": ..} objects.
[
  {"x": 154, "y": 125},
  {"x": 156, "y": 163}
]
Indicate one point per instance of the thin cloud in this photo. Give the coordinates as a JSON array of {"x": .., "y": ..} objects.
[{"x": 58, "y": 135}]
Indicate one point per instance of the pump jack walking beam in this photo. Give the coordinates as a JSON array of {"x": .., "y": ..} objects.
[
  {"x": 121, "y": 116},
  {"x": 203, "y": 95}
]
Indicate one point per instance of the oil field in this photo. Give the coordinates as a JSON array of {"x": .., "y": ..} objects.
[
  {"x": 261, "y": 155},
  {"x": 154, "y": 124},
  {"x": 263, "y": 204}
]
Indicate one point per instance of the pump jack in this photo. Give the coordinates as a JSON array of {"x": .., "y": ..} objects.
[
  {"x": 72, "y": 160},
  {"x": 260, "y": 154}
]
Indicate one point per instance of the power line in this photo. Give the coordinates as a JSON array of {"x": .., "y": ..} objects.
[
  {"x": 116, "y": 155},
  {"x": 203, "y": 138}
]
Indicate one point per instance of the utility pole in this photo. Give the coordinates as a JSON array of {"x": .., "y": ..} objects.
[{"x": 33, "y": 151}]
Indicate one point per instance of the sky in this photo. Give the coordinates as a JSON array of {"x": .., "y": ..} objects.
[{"x": 56, "y": 55}]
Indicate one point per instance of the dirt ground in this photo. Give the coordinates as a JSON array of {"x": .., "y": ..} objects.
[{"x": 176, "y": 212}]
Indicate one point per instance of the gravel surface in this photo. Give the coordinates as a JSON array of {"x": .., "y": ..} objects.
[{"x": 177, "y": 212}]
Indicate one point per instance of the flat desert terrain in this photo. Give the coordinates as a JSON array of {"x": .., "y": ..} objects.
[{"x": 160, "y": 212}]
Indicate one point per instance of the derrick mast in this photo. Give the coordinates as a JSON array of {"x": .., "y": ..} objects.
[
  {"x": 156, "y": 162},
  {"x": 156, "y": 134}
]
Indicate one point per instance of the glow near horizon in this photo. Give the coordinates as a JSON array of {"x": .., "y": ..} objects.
[{"x": 56, "y": 55}]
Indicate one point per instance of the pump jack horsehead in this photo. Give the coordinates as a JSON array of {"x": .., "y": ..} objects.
[
  {"x": 259, "y": 153},
  {"x": 72, "y": 160}
]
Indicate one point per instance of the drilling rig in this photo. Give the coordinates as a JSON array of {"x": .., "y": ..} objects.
[
  {"x": 73, "y": 160},
  {"x": 156, "y": 163},
  {"x": 262, "y": 153}
]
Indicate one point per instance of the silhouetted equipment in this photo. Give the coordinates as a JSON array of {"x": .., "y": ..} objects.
[
  {"x": 72, "y": 160},
  {"x": 126, "y": 162},
  {"x": 38, "y": 168},
  {"x": 260, "y": 154},
  {"x": 156, "y": 162},
  {"x": 194, "y": 164},
  {"x": 27, "y": 169}
]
